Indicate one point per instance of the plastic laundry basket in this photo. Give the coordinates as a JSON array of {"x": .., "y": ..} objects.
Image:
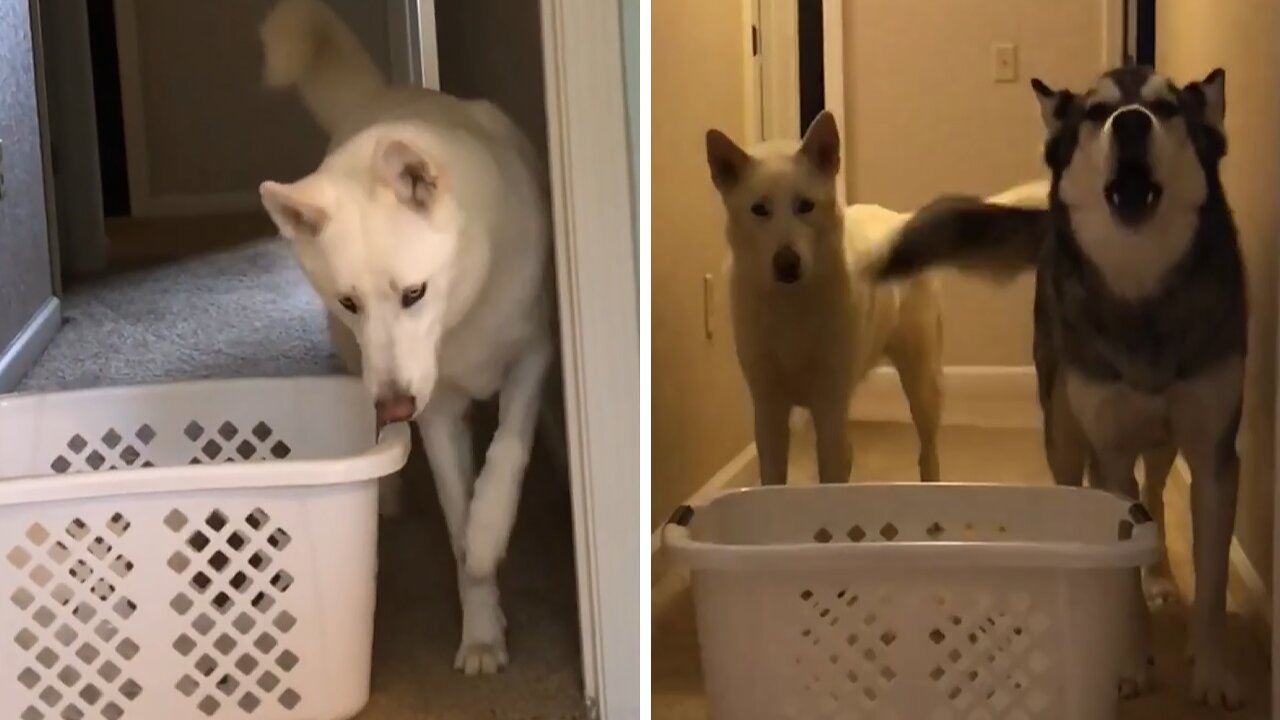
[
  {"x": 913, "y": 601},
  {"x": 191, "y": 550}
]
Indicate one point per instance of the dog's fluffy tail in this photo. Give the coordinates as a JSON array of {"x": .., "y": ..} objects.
[
  {"x": 308, "y": 47},
  {"x": 999, "y": 237}
]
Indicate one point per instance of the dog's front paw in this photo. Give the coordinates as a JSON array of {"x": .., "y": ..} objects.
[
  {"x": 480, "y": 658},
  {"x": 484, "y": 646},
  {"x": 1214, "y": 685}
]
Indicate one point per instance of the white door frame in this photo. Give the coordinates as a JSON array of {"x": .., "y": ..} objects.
[
  {"x": 594, "y": 215},
  {"x": 773, "y": 85}
]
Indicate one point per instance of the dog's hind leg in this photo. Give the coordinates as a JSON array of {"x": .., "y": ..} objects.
[
  {"x": 921, "y": 376},
  {"x": 916, "y": 352},
  {"x": 1158, "y": 579}
]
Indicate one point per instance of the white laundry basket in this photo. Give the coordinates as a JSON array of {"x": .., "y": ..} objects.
[
  {"x": 913, "y": 601},
  {"x": 191, "y": 550}
]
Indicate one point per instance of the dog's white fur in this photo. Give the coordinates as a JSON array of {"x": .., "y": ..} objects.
[
  {"x": 421, "y": 187},
  {"x": 807, "y": 344}
]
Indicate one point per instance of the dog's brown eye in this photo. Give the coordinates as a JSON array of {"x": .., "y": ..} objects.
[
  {"x": 1098, "y": 112},
  {"x": 804, "y": 206},
  {"x": 1165, "y": 109},
  {"x": 760, "y": 210},
  {"x": 349, "y": 304},
  {"x": 410, "y": 297}
]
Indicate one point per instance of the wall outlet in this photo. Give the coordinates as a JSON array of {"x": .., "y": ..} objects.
[{"x": 1004, "y": 57}]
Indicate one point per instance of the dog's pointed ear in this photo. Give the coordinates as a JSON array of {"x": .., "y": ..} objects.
[
  {"x": 1210, "y": 95},
  {"x": 294, "y": 209},
  {"x": 407, "y": 172},
  {"x": 727, "y": 161},
  {"x": 821, "y": 144},
  {"x": 1054, "y": 104}
]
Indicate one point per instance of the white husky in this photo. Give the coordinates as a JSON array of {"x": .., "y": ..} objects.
[
  {"x": 809, "y": 322},
  {"x": 425, "y": 231}
]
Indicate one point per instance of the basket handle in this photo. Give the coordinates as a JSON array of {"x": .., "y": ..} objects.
[{"x": 676, "y": 529}]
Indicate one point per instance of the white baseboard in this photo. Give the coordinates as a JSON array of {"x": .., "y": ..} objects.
[{"x": 22, "y": 353}]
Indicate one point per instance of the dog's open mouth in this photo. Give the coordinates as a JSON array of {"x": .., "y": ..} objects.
[{"x": 1132, "y": 194}]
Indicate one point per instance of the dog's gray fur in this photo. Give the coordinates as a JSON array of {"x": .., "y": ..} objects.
[{"x": 1140, "y": 309}]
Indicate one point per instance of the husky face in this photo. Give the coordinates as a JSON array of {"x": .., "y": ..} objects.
[
  {"x": 1134, "y": 158},
  {"x": 781, "y": 202},
  {"x": 1134, "y": 141},
  {"x": 377, "y": 243}
]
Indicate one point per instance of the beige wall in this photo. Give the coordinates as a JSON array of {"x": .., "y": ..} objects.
[
  {"x": 210, "y": 126},
  {"x": 700, "y": 412},
  {"x": 923, "y": 117},
  {"x": 1192, "y": 38}
]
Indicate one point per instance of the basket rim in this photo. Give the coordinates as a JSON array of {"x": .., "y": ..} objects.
[
  {"x": 384, "y": 457},
  {"x": 1142, "y": 548}
]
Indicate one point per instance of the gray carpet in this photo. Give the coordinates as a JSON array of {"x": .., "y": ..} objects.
[
  {"x": 241, "y": 313},
  {"x": 250, "y": 312}
]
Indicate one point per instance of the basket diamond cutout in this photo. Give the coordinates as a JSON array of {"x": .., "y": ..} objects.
[
  {"x": 229, "y": 442},
  {"x": 236, "y": 643},
  {"x": 112, "y": 449},
  {"x": 75, "y": 633},
  {"x": 987, "y": 655},
  {"x": 844, "y": 653}
]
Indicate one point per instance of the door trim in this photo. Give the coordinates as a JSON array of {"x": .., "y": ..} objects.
[
  {"x": 22, "y": 354},
  {"x": 594, "y": 215},
  {"x": 833, "y": 53}
]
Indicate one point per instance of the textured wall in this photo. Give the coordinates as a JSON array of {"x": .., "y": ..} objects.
[{"x": 25, "y": 281}]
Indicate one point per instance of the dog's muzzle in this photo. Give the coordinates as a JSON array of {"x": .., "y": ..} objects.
[
  {"x": 786, "y": 265},
  {"x": 1132, "y": 193}
]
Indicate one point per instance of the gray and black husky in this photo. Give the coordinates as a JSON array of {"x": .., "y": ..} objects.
[{"x": 1140, "y": 313}]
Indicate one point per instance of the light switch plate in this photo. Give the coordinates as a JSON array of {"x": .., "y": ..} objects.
[{"x": 1004, "y": 57}]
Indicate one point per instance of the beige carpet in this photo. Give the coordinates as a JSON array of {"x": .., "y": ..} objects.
[
  {"x": 418, "y": 615},
  {"x": 887, "y": 452}
]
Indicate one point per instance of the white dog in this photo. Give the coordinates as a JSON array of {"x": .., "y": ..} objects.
[
  {"x": 808, "y": 324},
  {"x": 809, "y": 320},
  {"x": 425, "y": 231}
]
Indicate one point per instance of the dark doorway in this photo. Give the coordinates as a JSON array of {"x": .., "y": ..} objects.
[
  {"x": 109, "y": 109},
  {"x": 812, "y": 83}
]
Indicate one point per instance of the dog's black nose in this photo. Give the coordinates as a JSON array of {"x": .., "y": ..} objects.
[
  {"x": 1131, "y": 128},
  {"x": 786, "y": 265}
]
